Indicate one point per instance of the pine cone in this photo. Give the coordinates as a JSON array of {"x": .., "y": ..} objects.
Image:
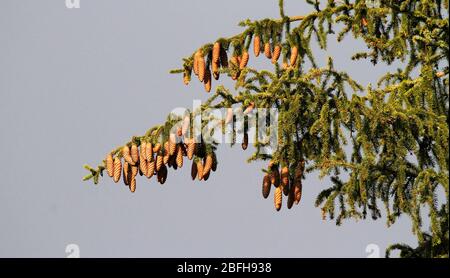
[
  {"x": 208, "y": 164},
  {"x": 133, "y": 184},
  {"x": 223, "y": 58},
  {"x": 298, "y": 192},
  {"x": 194, "y": 170},
  {"x": 215, "y": 70},
  {"x": 291, "y": 197},
  {"x": 266, "y": 186},
  {"x": 126, "y": 154},
  {"x": 285, "y": 177},
  {"x": 216, "y": 53},
  {"x": 201, "y": 66},
  {"x": 149, "y": 152},
  {"x": 298, "y": 181},
  {"x": 195, "y": 67},
  {"x": 294, "y": 55},
  {"x": 110, "y": 165},
  {"x": 191, "y": 149},
  {"x": 257, "y": 45},
  {"x": 275, "y": 177},
  {"x": 126, "y": 173},
  {"x": 117, "y": 169},
  {"x": 162, "y": 174},
  {"x": 134, "y": 171},
  {"x": 157, "y": 148},
  {"x": 134, "y": 153},
  {"x": 179, "y": 158},
  {"x": 199, "y": 170},
  {"x": 159, "y": 162},
  {"x": 150, "y": 168},
  {"x": 206, "y": 176},
  {"x": 245, "y": 141},
  {"x": 276, "y": 53},
  {"x": 207, "y": 80},
  {"x": 244, "y": 60},
  {"x": 172, "y": 144},
  {"x": 143, "y": 165},
  {"x": 278, "y": 198},
  {"x": 267, "y": 50}
]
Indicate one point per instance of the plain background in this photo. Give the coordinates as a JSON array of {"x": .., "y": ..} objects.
[{"x": 75, "y": 83}]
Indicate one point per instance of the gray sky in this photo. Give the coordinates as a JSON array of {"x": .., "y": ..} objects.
[{"x": 75, "y": 83}]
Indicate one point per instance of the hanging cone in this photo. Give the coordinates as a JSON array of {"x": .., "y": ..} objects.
[
  {"x": 133, "y": 184},
  {"x": 208, "y": 164},
  {"x": 291, "y": 197},
  {"x": 201, "y": 66},
  {"x": 245, "y": 141},
  {"x": 157, "y": 148},
  {"x": 191, "y": 149},
  {"x": 298, "y": 192},
  {"x": 126, "y": 173},
  {"x": 149, "y": 152},
  {"x": 267, "y": 50},
  {"x": 172, "y": 144},
  {"x": 109, "y": 165},
  {"x": 117, "y": 169},
  {"x": 278, "y": 198},
  {"x": 207, "y": 80},
  {"x": 134, "y": 171},
  {"x": 166, "y": 158},
  {"x": 256, "y": 45},
  {"x": 244, "y": 60},
  {"x": 276, "y": 53},
  {"x": 150, "y": 168},
  {"x": 143, "y": 151},
  {"x": 223, "y": 58},
  {"x": 275, "y": 177},
  {"x": 199, "y": 170},
  {"x": 294, "y": 54},
  {"x": 194, "y": 170},
  {"x": 206, "y": 176},
  {"x": 143, "y": 165},
  {"x": 266, "y": 186},
  {"x": 195, "y": 66},
  {"x": 298, "y": 181},
  {"x": 162, "y": 174},
  {"x": 216, "y": 53},
  {"x": 134, "y": 153},
  {"x": 285, "y": 177},
  {"x": 179, "y": 158},
  {"x": 215, "y": 70},
  {"x": 126, "y": 154},
  {"x": 159, "y": 162}
]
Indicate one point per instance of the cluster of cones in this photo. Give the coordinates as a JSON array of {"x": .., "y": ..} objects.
[
  {"x": 219, "y": 58},
  {"x": 284, "y": 184},
  {"x": 149, "y": 160}
]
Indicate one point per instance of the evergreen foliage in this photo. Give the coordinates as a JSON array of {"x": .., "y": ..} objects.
[{"x": 397, "y": 128}]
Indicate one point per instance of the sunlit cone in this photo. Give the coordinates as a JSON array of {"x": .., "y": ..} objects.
[
  {"x": 276, "y": 53},
  {"x": 223, "y": 58},
  {"x": 150, "y": 168},
  {"x": 133, "y": 184},
  {"x": 208, "y": 164},
  {"x": 267, "y": 50},
  {"x": 126, "y": 154},
  {"x": 245, "y": 141},
  {"x": 134, "y": 171},
  {"x": 148, "y": 151},
  {"x": 206, "y": 176},
  {"x": 285, "y": 176},
  {"x": 215, "y": 70},
  {"x": 229, "y": 116},
  {"x": 298, "y": 181},
  {"x": 143, "y": 151},
  {"x": 244, "y": 60},
  {"x": 172, "y": 144},
  {"x": 191, "y": 149},
  {"x": 126, "y": 173},
  {"x": 179, "y": 158},
  {"x": 199, "y": 170},
  {"x": 278, "y": 198},
  {"x": 291, "y": 197},
  {"x": 195, "y": 66},
  {"x": 109, "y": 165},
  {"x": 143, "y": 167},
  {"x": 134, "y": 153},
  {"x": 216, "y": 52},
  {"x": 157, "y": 148},
  {"x": 166, "y": 158},
  {"x": 194, "y": 170},
  {"x": 294, "y": 55},
  {"x": 266, "y": 186},
  {"x": 159, "y": 162},
  {"x": 201, "y": 67},
  {"x": 117, "y": 169},
  {"x": 257, "y": 45},
  {"x": 207, "y": 80}
]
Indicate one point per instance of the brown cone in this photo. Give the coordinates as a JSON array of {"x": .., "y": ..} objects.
[
  {"x": 244, "y": 60},
  {"x": 207, "y": 80},
  {"x": 159, "y": 162},
  {"x": 149, "y": 152},
  {"x": 257, "y": 45},
  {"x": 291, "y": 197},
  {"x": 110, "y": 165},
  {"x": 143, "y": 164},
  {"x": 199, "y": 170},
  {"x": 117, "y": 169},
  {"x": 191, "y": 149},
  {"x": 126, "y": 173},
  {"x": 133, "y": 184},
  {"x": 162, "y": 174},
  {"x": 157, "y": 148},
  {"x": 216, "y": 52},
  {"x": 172, "y": 144},
  {"x": 275, "y": 178},
  {"x": 278, "y": 198},
  {"x": 245, "y": 141},
  {"x": 267, "y": 50},
  {"x": 215, "y": 70},
  {"x": 223, "y": 58},
  {"x": 276, "y": 53},
  {"x": 134, "y": 153},
  {"x": 194, "y": 170},
  {"x": 143, "y": 151},
  {"x": 285, "y": 177},
  {"x": 126, "y": 154},
  {"x": 208, "y": 164},
  {"x": 179, "y": 159},
  {"x": 201, "y": 66},
  {"x": 266, "y": 186},
  {"x": 294, "y": 55},
  {"x": 150, "y": 168}
]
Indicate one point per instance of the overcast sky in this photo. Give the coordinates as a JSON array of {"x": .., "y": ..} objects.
[{"x": 75, "y": 83}]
